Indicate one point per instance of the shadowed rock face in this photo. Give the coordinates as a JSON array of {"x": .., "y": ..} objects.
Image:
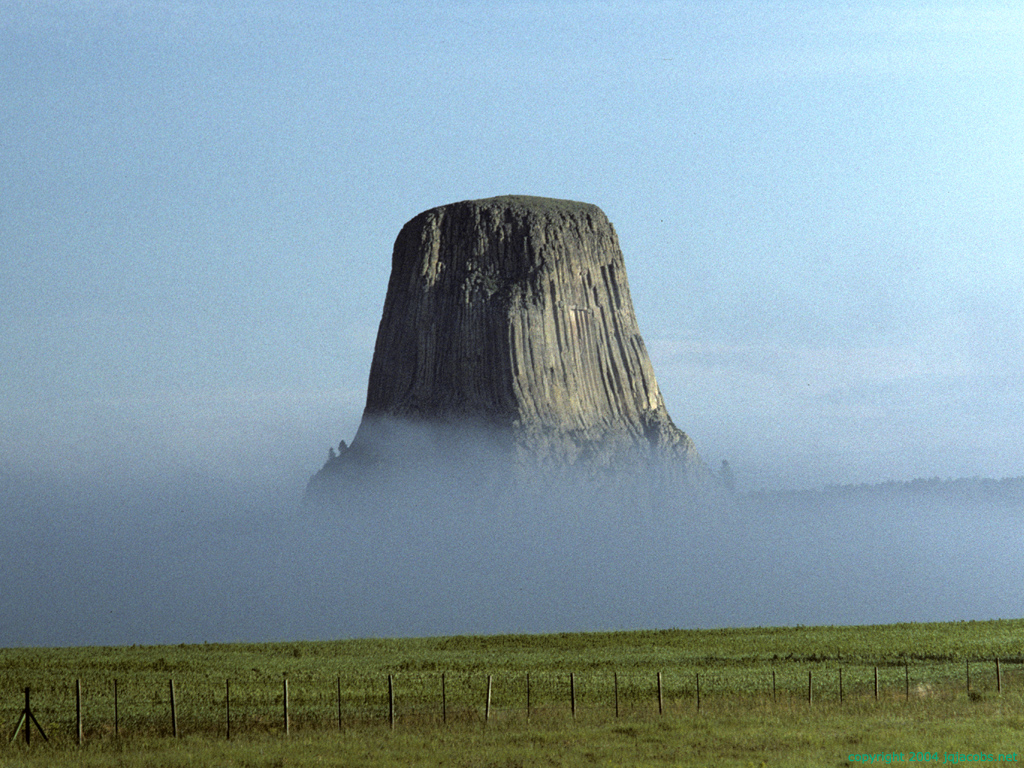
[{"x": 511, "y": 316}]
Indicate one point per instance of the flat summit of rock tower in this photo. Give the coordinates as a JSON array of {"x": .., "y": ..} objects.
[{"x": 511, "y": 317}]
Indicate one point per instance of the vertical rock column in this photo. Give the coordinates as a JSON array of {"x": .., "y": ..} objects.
[{"x": 514, "y": 314}]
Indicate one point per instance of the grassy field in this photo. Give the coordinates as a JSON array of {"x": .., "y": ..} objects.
[{"x": 628, "y": 698}]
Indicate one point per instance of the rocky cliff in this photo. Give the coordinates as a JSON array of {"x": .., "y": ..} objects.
[{"x": 511, "y": 316}]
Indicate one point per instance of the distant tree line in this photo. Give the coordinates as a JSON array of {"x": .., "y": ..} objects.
[{"x": 1007, "y": 491}]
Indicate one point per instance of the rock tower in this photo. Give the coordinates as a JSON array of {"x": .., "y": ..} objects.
[{"x": 511, "y": 317}]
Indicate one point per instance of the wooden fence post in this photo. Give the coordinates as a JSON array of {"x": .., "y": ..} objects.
[
  {"x": 339, "y": 702},
  {"x": 968, "y": 675},
  {"x": 444, "y": 700},
  {"x": 174, "y": 713},
  {"x": 876, "y": 683},
  {"x": 906, "y": 676},
  {"x": 227, "y": 706},
  {"x": 999, "y": 679},
  {"x": 572, "y": 693},
  {"x": 287, "y": 719},
  {"x": 78, "y": 711},
  {"x": 615, "y": 681},
  {"x": 660, "y": 700},
  {"x": 26, "y": 720},
  {"x": 809, "y": 689},
  {"x": 528, "y": 696},
  {"x": 25, "y": 715},
  {"x": 117, "y": 731},
  {"x": 391, "y": 702},
  {"x": 487, "y": 706}
]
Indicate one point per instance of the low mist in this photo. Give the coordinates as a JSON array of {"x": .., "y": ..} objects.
[{"x": 473, "y": 550}]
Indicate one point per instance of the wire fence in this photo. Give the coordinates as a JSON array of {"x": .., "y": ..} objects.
[{"x": 156, "y": 705}]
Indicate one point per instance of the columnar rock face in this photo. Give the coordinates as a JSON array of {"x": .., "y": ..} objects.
[{"x": 512, "y": 315}]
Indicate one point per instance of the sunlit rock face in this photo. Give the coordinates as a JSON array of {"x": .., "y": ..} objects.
[{"x": 509, "y": 319}]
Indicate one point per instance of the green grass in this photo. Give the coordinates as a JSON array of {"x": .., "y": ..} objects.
[{"x": 738, "y": 723}]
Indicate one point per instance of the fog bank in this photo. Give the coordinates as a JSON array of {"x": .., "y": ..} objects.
[{"x": 189, "y": 561}]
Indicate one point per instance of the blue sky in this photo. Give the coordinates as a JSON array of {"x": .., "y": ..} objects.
[{"x": 819, "y": 207}]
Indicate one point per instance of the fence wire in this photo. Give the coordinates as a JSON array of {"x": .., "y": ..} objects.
[{"x": 205, "y": 705}]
